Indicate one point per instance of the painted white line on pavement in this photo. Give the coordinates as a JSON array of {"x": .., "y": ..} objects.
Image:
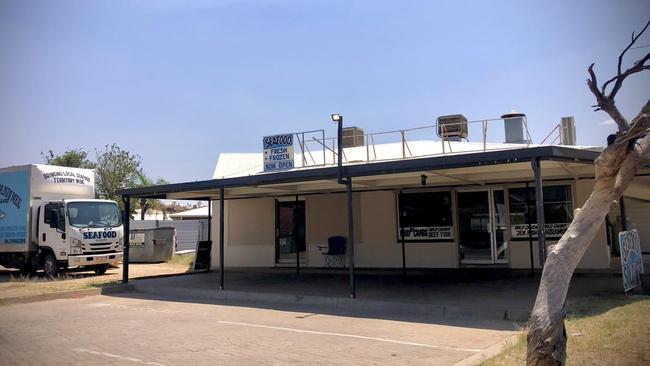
[
  {"x": 351, "y": 336},
  {"x": 136, "y": 308},
  {"x": 112, "y": 355}
]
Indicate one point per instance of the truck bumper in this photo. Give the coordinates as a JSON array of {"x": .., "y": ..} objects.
[{"x": 93, "y": 259}]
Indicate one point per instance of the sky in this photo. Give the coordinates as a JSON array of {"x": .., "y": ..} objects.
[{"x": 178, "y": 82}]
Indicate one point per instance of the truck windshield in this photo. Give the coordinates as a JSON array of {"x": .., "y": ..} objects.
[{"x": 93, "y": 214}]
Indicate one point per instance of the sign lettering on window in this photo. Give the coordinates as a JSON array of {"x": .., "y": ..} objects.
[
  {"x": 427, "y": 233},
  {"x": 520, "y": 231}
]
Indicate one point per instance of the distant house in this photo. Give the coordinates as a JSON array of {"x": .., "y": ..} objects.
[
  {"x": 150, "y": 215},
  {"x": 193, "y": 214}
]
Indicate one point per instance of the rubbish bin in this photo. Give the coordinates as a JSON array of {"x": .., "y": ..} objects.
[{"x": 151, "y": 245}]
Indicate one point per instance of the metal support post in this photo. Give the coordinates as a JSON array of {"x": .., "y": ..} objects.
[
  {"x": 210, "y": 230},
  {"x": 530, "y": 229},
  {"x": 125, "y": 256},
  {"x": 295, "y": 235},
  {"x": 401, "y": 235},
  {"x": 539, "y": 204},
  {"x": 621, "y": 206},
  {"x": 221, "y": 231},
  {"x": 339, "y": 137},
  {"x": 348, "y": 184}
]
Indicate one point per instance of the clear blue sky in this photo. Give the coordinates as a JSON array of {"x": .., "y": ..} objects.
[{"x": 179, "y": 82}]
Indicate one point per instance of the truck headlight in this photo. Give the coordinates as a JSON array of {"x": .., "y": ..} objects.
[{"x": 75, "y": 246}]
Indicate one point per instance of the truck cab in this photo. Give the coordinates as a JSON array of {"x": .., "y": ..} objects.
[{"x": 78, "y": 233}]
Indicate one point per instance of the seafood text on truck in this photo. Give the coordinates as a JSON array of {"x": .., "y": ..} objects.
[{"x": 50, "y": 220}]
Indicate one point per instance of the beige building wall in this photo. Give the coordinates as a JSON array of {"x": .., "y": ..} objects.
[
  {"x": 327, "y": 215},
  {"x": 250, "y": 233}
]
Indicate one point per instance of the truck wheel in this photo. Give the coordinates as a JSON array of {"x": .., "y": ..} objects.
[
  {"x": 100, "y": 269},
  {"x": 50, "y": 266}
]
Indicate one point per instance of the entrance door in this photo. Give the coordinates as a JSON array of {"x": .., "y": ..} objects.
[
  {"x": 481, "y": 224},
  {"x": 290, "y": 232}
]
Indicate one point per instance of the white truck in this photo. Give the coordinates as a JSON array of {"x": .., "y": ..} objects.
[{"x": 50, "y": 220}]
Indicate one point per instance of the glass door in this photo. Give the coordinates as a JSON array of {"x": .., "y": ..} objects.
[
  {"x": 482, "y": 227},
  {"x": 474, "y": 227},
  {"x": 290, "y": 232}
]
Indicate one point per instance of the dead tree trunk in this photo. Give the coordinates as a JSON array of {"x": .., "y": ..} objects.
[{"x": 614, "y": 170}]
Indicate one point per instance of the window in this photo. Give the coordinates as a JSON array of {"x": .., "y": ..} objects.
[
  {"x": 94, "y": 214},
  {"x": 558, "y": 211},
  {"x": 54, "y": 216},
  {"x": 425, "y": 216}
]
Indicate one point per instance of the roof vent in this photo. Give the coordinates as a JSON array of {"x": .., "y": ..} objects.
[
  {"x": 452, "y": 127},
  {"x": 352, "y": 137},
  {"x": 514, "y": 127},
  {"x": 567, "y": 131}
]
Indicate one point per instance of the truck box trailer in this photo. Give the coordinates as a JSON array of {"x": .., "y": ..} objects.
[{"x": 50, "y": 219}]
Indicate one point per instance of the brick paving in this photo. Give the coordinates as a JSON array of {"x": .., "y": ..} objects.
[{"x": 137, "y": 330}]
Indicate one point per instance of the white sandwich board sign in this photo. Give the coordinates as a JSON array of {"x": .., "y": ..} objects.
[
  {"x": 631, "y": 259},
  {"x": 278, "y": 152}
]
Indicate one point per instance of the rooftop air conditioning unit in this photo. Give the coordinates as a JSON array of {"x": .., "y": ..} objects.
[
  {"x": 452, "y": 127},
  {"x": 352, "y": 137}
]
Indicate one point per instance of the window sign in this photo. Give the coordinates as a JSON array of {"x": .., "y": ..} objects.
[
  {"x": 558, "y": 211},
  {"x": 520, "y": 231},
  {"x": 278, "y": 152},
  {"x": 631, "y": 259},
  {"x": 425, "y": 216},
  {"x": 427, "y": 232}
]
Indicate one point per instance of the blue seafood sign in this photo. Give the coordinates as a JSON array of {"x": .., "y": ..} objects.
[
  {"x": 278, "y": 152},
  {"x": 14, "y": 206}
]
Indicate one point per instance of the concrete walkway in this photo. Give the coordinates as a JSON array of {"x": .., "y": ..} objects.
[{"x": 475, "y": 293}]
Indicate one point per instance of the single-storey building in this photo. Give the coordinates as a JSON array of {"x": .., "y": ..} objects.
[{"x": 446, "y": 202}]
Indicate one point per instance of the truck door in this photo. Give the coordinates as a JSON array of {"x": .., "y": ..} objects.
[{"x": 52, "y": 229}]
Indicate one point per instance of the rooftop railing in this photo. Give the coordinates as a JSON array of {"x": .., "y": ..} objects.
[{"x": 316, "y": 149}]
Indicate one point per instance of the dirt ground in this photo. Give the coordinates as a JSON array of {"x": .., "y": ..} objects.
[{"x": 13, "y": 285}]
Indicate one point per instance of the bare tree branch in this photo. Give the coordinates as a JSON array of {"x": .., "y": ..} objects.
[
  {"x": 604, "y": 101},
  {"x": 618, "y": 79}
]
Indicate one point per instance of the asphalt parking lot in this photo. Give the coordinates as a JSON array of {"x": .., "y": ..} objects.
[{"x": 137, "y": 330}]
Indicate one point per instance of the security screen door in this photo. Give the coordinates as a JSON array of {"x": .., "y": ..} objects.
[
  {"x": 290, "y": 231},
  {"x": 482, "y": 226}
]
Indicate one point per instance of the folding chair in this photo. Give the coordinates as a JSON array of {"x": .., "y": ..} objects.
[{"x": 334, "y": 252}]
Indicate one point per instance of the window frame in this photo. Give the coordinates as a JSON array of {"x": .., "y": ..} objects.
[
  {"x": 572, "y": 192},
  {"x": 452, "y": 215}
]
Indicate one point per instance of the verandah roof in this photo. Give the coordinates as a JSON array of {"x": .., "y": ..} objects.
[{"x": 483, "y": 167}]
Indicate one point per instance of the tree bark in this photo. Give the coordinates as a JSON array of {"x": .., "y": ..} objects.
[{"x": 615, "y": 170}]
